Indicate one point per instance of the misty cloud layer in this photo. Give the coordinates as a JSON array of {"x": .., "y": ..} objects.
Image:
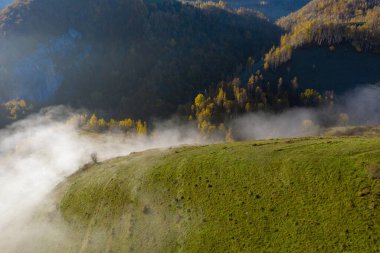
[
  {"x": 39, "y": 152},
  {"x": 293, "y": 123},
  {"x": 361, "y": 105}
]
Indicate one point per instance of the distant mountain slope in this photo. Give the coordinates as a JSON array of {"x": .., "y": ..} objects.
[
  {"x": 130, "y": 57},
  {"x": 329, "y": 48},
  {"x": 273, "y": 9},
  {"x": 330, "y": 22},
  {"x": 324, "y": 70},
  {"x": 349, "y": 32},
  {"x": 334, "y": 11},
  {"x": 277, "y": 196}
]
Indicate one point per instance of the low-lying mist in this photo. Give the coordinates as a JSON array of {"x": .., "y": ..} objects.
[
  {"x": 37, "y": 153},
  {"x": 360, "y": 106}
]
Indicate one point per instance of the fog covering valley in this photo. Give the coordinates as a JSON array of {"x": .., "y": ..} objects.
[
  {"x": 39, "y": 152},
  {"x": 361, "y": 105},
  {"x": 42, "y": 150}
]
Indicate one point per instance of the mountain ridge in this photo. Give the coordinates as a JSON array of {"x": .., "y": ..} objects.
[{"x": 132, "y": 50}]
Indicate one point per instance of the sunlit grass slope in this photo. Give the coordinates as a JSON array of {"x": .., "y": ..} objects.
[{"x": 299, "y": 195}]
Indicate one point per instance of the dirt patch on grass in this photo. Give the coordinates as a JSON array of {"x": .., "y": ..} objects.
[{"x": 373, "y": 172}]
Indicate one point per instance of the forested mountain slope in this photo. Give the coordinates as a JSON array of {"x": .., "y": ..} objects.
[
  {"x": 328, "y": 49},
  {"x": 273, "y": 9},
  {"x": 130, "y": 57},
  {"x": 348, "y": 11},
  {"x": 330, "y": 22},
  {"x": 330, "y": 45}
]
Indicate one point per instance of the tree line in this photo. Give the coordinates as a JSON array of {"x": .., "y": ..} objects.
[
  {"x": 326, "y": 22},
  {"x": 212, "y": 110},
  {"x": 97, "y": 124}
]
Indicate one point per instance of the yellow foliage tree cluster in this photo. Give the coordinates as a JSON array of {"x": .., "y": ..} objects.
[
  {"x": 203, "y": 112},
  {"x": 15, "y": 108},
  {"x": 209, "y": 4},
  {"x": 214, "y": 111},
  {"x": 93, "y": 123},
  {"x": 311, "y": 97},
  {"x": 328, "y": 22},
  {"x": 230, "y": 99},
  {"x": 277, "y": 55}
]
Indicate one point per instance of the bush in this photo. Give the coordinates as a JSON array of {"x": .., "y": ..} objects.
[{"x": 94, "y": 158}]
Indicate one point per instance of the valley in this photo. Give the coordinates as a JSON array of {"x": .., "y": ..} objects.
[{"x": 189, "y": 126}]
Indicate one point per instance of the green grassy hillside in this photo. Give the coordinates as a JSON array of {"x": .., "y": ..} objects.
[{"x": 294, "y": 195}]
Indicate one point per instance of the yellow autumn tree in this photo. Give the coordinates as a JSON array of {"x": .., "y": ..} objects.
[
  {"x": 22, "y": 104},
  {"x": 220, "y": 97},
  {"x": 126, "y": 124},
  {"x": 112, "y": 124},
  {"x": 102, "y": 124},
  {"x": 92, "y": 123},
  {"x": 199, "y": 102},
  {"x": 141, "y": 128}
]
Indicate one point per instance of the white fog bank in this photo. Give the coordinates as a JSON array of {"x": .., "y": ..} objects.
[{"x": 39, "y": 152}]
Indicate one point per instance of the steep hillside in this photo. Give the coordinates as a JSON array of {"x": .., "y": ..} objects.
[
  {"x": 331, "y": 45},
  {"x": 329, "y": 22},
  {"x": 347, "y": 11},
  {"x": 273, "y": 9},
  {"x": 275, "y": 195},
  {"x": 323, "y": 69},
  {"x": 130, "y": 57},
  {"x": 329, "y": 48}
]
